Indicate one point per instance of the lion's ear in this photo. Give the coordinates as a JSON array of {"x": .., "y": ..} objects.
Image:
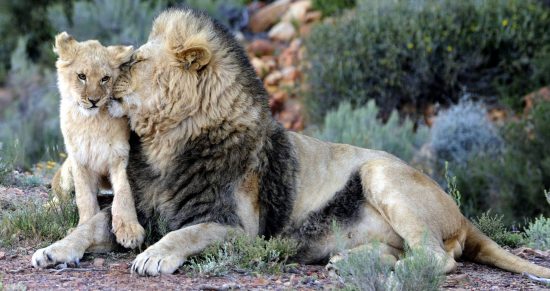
[
  {"x": 194, "y": 58},
  {"x": 120, "y": 54},
  {"x": 65, "y": 46}
]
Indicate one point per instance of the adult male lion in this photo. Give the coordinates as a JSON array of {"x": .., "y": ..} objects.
[{"x": 207, "y": 157}]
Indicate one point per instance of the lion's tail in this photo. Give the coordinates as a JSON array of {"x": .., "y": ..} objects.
[{"x": 481, "y": 249}]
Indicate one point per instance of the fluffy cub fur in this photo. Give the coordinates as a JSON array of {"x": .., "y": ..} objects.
[
  {"x": 207, "y": 158},
  {"x": 96, "y": 143}
]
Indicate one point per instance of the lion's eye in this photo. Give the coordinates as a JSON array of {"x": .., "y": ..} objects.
[
  {"x": 82, "y": 77},
  {"x": 105, "y": 79}
]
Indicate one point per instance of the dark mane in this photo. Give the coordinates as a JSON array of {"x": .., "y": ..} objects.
[{"x": 199, "y": 184}]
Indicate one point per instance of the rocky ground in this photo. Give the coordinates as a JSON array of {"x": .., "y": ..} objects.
[{"x": 111, "y": 271}]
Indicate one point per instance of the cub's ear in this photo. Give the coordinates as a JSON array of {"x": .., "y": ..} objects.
[
  {"x": 65, "y": 46},
  {"x": 194, "y": 57},
  {"x": 120, "y": 54}
]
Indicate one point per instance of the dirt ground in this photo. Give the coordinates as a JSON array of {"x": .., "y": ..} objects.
[{"x": 111, "y": 271}]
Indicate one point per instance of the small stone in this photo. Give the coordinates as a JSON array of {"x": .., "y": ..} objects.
[
  {"x": 297, "y": 11},
  {"x": 118, "y": 266},
  {"x": 273, "y": 78},
  {"x": 313, "y": 16},
  {"x": 2, "y": 255},
  {"x": 260, "y": 47},
  {"x": 289, "y": 56},
  {"x": 305, "y": 30},
  {"x": 280, "y": 96},
  {"x": 268, "y": 15},
  {"x": 270, "y": 61},
  {"x": 98, "y": 262},
  {"x": 290, "y": 75},
  {"x": 260, "y": 67},
  {"x": 282, "y": 31}
]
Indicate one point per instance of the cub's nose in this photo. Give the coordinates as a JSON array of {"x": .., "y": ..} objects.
[{"x": 93, "y": 101}]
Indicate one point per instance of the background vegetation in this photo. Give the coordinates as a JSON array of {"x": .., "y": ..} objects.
[{"x": 420, "y": 52}]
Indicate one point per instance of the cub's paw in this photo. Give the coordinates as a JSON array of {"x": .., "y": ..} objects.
[
  {"x": 129, "y": 234},
  {"x": 57, "y": 253},
  {"x": 155, "y": 261}
]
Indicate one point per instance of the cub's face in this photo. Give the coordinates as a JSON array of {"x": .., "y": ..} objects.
[{"x": 87, "y": 71}]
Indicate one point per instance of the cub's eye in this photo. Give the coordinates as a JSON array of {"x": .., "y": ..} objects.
[
  {"x": 82, "y": 77},
  {"x": 105, "y": 79}
]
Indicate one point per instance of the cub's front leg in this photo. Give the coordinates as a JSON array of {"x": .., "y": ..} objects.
[
  {"x": 92, "y": 236},
  {"x": 169, "y": 253},
  {"x": 86, "y": 187},
  {"x": 129, "y": 233}
]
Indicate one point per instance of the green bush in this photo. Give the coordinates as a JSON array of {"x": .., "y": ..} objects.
[
  {"x": 37, "y": 222},
  {"x": 511, "y": 183},
  {"x": 330, "y": 7},
  {"x": 242, "y": 253},
  {"x": 32, "y": 120},
  {"x": 421, "y": 52},
  {"x": 27, "y": 18},
  {"x": 364, "y": 270},
  {"x": 360, "y": 127},
  {"x": 493, "y": 227},
  {"x": 110, "y": 22},
  {"x": 537, "y": 234},
  {"x": 463, "y": 132},
  {"x": 6, "y": 164}
]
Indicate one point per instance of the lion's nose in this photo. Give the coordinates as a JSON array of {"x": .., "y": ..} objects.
[{"x": 93, "y": 101}]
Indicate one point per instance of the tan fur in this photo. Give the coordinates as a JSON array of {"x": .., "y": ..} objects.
[
  {"x": 168, "y": 106},
  {"x": 96, "y": 143},
  {"x": 403, "y": 205}
]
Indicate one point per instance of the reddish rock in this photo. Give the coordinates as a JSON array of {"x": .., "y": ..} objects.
[
  {"x": 265, "y": 17},
  {"x": 291, "y": 117},
  {"x": 260, "y": 66},
  {"x": 270, "y": 62},
  {"x": 543, "y": 94},
  {"x": 305, "y": 30},
  {"x": 297, "y": 11},
  {"x": 290, "y": 73},
  {"x": 282, "y": 31},
  {"x": 260, "y": 47},
  {"x": 273, "y": 78},
  {"x": 289, "y": 56},
  {"x": 313, "y": 16},
  {"x": 98, "y": 262},
  {"x": 280, "y": 96}
]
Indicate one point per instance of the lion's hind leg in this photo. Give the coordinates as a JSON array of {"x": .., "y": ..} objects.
[
  {"x": 62, "y": 184},
  {"x": 414, "y": 206}
]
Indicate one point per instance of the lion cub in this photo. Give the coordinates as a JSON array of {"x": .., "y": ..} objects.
[{"x": 96, "y": 143}]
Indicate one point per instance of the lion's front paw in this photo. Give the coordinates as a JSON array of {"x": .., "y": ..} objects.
[
  {"x": 130, "y": 234},
  {"x": 56, "y": 254},
  {"x": 155, "y": 261}
]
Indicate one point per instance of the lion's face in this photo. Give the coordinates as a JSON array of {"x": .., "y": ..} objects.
[
  {"x": 87, "y": 71},
  {"x": 164, "y": 75},
  {"x": 139, "y": 85}
]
